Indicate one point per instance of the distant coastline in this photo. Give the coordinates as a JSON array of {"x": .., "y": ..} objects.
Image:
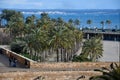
[{"x": 95, "y": 15}]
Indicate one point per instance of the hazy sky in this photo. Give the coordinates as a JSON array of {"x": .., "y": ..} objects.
[{"x": 60, "y": 4}]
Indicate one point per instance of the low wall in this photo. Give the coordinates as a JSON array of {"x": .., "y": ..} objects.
[
  {"x": 56, "y": 75},
  {"x": 70, "y": 66}
]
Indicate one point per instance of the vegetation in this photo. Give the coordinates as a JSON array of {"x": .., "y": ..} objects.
[
  {"x": 102, "y": 23},
  {"x": 108, "y": 74},
  {"x": 89, "y": 22},
  {"x": 91, "y": 50},
  {"x": 108, "y": 22},
  {"x": 43, "y": 37},
  {"x": 17, "y": 47}
]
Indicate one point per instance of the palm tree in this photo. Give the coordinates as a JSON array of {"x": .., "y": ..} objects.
[
  {"x": 70, "y": 21},
  {"x": 77, "y": 22},
  {"x": 7, "y": 14},
  {"x": 60, "y": 22},
  {"x": 108, "y": 22},
  {"x": 102, "y": 23},
  {"x": 78, "y": 36},
  {"x": 92, "y": 48},
  {"x": 57, "y": 39},
  {"x": 108, "y": 74},
  {"x": 15, "y": 25},
  {"x": 89, "y": 22}
]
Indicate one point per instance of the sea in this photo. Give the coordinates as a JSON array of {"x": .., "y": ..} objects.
[{"x": 95, "y": 15}]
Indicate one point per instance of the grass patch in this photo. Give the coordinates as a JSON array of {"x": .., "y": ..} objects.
[{"x": 35, "y": 58}]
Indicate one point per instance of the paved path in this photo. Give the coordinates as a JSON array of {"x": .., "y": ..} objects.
[{"x": 4, "y": 65}]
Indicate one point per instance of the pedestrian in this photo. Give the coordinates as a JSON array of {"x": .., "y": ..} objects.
[
  {"x": 1, "y": 51},
  {"x": 14, "y": 62},
  {"x": 10, "y": 60}
]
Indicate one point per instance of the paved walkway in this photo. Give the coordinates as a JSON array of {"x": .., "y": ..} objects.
[{"x": 4, "y": 65}]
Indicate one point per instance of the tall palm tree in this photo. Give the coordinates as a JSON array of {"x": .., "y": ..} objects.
[
  {"x": 108, "y": 22},
  {"x": 102, "y": 23},
  {"x": 56, "y": 39},
  {"x": 70, "y": 22},
  {"x": 92, "y": 48},
  {"x": 7, "y": 14},
  {"x": 77, "y": 22},
  {"x": 15, "y": 25},
  {"x": 89, "y": 22}
]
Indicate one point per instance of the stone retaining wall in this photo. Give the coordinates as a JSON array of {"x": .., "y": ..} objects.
[
  {"x": 70, "y": 66},
  {"x": 56, "y": 75}
]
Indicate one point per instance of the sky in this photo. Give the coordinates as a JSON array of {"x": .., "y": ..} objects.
[{"x": 60, "y": 4}]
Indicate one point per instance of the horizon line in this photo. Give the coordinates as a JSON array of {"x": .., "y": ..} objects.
[{"x": 61, "y": 9}]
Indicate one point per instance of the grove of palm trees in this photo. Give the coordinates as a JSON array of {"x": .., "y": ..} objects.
[{"x": 45, "y": 38}]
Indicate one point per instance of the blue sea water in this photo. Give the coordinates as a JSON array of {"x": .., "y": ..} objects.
[{"x": 95, "y": 15}]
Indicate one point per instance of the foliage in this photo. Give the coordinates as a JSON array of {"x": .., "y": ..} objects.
[
  {"x": 4, "y": 39},
  {"x": 108, "y": 22},
  {"x": 7, "y": 14},
  {"x": 102, "y": 23},
  {"x": 28, "y": 56},
  {"x": 108, "y": 74},
  {"x": 89, "y": 22},
  {"x": 45, "y": 35},
  {"x": 81, "y": 58},
  {"x": 92, "y": 48},
  {"x": 17, "y": 47}
]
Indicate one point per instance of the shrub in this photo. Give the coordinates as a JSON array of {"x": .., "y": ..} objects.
[
  {"x": 80, "y": 58},
  {"x": 17, "y": 47},
  {"x": 112, "y": 73}
]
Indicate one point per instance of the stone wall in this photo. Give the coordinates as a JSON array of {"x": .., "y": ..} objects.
[
  {"x": 70, "y": 66},
  {"x": 55, "y": 75}
]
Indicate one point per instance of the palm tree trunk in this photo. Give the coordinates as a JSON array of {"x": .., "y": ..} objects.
[
  {"x": 61, "y": 54},
  {"x": 57, "y": 52}
]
